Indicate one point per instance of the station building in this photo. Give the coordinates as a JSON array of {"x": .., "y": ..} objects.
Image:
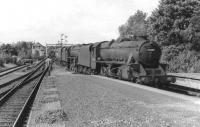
[{"x": 37, "y": 47}]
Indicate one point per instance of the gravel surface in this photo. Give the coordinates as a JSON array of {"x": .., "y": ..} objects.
[
  {"x": 51, "y": 117},
  {"x": 94, "y": 102}
]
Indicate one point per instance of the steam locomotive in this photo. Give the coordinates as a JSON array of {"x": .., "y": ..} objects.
[{"x": 136, "y": 60}]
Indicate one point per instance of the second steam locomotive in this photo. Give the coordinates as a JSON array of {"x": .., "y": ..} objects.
[{"x": 136, "y": 60}]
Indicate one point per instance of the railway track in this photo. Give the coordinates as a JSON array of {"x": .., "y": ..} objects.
[
  {"x": 13, "y": 69},
  {"x": 177, "y": 88},
  {"x": 15, "y": 103},
  {"x": 187, "y": 88},
  {"x": 183, "y": 90},
  {"x": 11, "y": 107},
  {"x": 8, "y": 71},
  {"x": 18, "y": 79},
  {"x": 4, "y": 88}
]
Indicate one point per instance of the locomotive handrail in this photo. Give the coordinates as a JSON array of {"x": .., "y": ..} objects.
[{"x": 119, "y": 47}]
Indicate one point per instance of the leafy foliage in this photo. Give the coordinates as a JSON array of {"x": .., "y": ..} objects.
[
  {"x": 175, "y": 25},
  {"x": 10, "y": 52},
  {"x": 175, "y": 22},
  {"x": 135, "y": 26},
  {"x": 9, "y": 49},
  {"x": 21, "y": 49},
  {"x": 180, "y": 59},
  {"x": 24, "y": 49}
]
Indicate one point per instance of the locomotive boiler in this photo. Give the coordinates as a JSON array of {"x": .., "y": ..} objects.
[{"x": 137, "y": 51}]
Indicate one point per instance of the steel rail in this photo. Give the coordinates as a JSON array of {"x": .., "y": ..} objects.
[
  {"x": 11, "y": 92},
  {"x": 13, "y": 106},
  {"x": 183, "y": 90},
  {"x": 13, "y": 70},
  {"x": 18, "y": 78},
  {"x": 9, "y": 68},
  {"x": 31, "y": 79},
  {"x": 13, "y": 80},
  {"x": 41, "y": 61},
  {"x": 23, "y": 66},
  {"x": 184, "y": 77},
  {"x": 29, "y": 102},
  {"x": 185, "y": 87}
]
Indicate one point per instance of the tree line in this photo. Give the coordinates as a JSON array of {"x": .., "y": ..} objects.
[
  {"x": 175, "y": 26},
  {"x": 172, "y": 22},
  {"x": 21, "y": 49},
  {"x": 9, "y": 53}
]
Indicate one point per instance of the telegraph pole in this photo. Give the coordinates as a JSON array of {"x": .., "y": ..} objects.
[
  {"x": 46, "y": 50},
  {"x": 62, "y": 42}
]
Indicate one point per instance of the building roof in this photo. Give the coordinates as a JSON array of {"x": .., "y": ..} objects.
[{"x": 37, "y": 44}]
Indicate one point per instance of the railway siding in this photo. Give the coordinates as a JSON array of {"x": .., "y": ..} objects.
[
  {"x": 188, "y": 82},
  {"x": 13, "y": 75},
  {"x": 189, "y": 75}
]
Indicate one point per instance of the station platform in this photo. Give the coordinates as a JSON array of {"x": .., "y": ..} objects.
[
  {"x": 46, "y": 110},
  {"x": 77, "y": 100}
]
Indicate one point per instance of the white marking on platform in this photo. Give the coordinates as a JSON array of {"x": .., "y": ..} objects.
[
  {"x": 51, "y": 90},
  {"x": 51, "y": 106},
  {"x": 51, "y": 96}
]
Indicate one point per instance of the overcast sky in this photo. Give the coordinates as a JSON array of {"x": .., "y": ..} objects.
[{"x": 83, "y": 21}]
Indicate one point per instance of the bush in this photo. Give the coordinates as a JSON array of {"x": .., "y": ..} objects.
[
  {"x": 9, "y": 59},
  {"x": 180, "y": 59}
]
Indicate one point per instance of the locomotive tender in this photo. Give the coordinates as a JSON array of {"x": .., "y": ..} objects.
[{"x": 134, "y": 60}]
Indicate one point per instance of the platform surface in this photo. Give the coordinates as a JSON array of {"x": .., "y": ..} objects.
[{"x": 94, "y": 101}]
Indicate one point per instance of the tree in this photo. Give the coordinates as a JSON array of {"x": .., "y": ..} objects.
[
  {"x": 24, "y": 49},
  {"x": 135, "y": 26},
  {"x": 193, "y": 31},
  {"x": 13, "y": 51},
  {"x": 6, "y": 48},
  {"x": 169, "y": 24}
]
